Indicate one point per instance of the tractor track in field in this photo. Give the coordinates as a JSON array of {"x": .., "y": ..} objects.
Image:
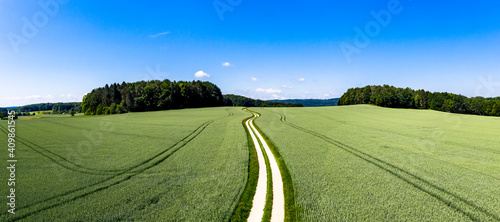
[
  {"x": 59, "y": 160},
  {"x": 67, "y": 164},
  {"x": 493, "y": 152},
  {"x": 456, "y": 202},
  {"x": 70, "y": 165},
  {"x": 119, "y": 178},
  {"x": 229, "y": 113},
  {"x": 260, "y": 199},
  {"x": 110, "y": 132}
]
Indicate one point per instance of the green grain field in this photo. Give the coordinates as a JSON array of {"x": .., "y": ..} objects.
[
  {"x": 186, "y": 164},
  {"x": 354, "y": 163},
  {"x": 347, "y": 163}
]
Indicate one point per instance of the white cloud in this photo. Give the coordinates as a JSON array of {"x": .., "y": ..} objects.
[
  {"x": 285, "y": 86},
  {"x": 227, "y": 64},
  {"x": 277, "y": 97},
  {"x": 270, "y": 91},
  {"x": 200, "y": 74},
  {"x": 159, "y": 34},
  {"x": 254, "y": 79},
  {"x": 301, "y": 80},
  {"x": 33, "y": 99}
]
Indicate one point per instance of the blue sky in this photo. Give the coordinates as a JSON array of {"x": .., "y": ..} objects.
[{"x": 63, "y": 50}]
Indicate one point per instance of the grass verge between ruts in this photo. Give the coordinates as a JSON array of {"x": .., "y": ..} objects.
[
  {"x": 244, "y": 205},
  {"x": 291, "y": 213}
]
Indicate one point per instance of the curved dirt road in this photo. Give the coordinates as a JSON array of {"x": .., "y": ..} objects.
[{"x": 259, "y": 201}]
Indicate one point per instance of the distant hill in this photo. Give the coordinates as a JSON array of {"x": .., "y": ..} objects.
[
  {"x": 235, "y": 100},
  {"x": 311, "y": 102}
]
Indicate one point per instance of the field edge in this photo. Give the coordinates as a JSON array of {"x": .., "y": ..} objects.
[{"x": 244, "y": 205}]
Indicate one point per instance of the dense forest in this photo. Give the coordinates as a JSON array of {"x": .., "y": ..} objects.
[
  {"x": 234, "y": 100},
  {"x": 390, "y": 96},
  {"x": 311, "y": 102},
  {"x": 150, "y": 96}
]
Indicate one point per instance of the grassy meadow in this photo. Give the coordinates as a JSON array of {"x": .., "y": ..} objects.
[
  {"x": 353, "y": 163},
  {"x": 186, "y": 164}
]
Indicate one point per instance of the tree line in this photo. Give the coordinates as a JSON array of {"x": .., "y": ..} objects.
[
  {"x": 151, "y": 96},
  {"x": 44, "y": 108},
  {"x": 57, "y": 108},
  {"x": 235, "y": 100},
  {"x": 54, "y": 107},
  {"x": 390, "y": 96}
]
